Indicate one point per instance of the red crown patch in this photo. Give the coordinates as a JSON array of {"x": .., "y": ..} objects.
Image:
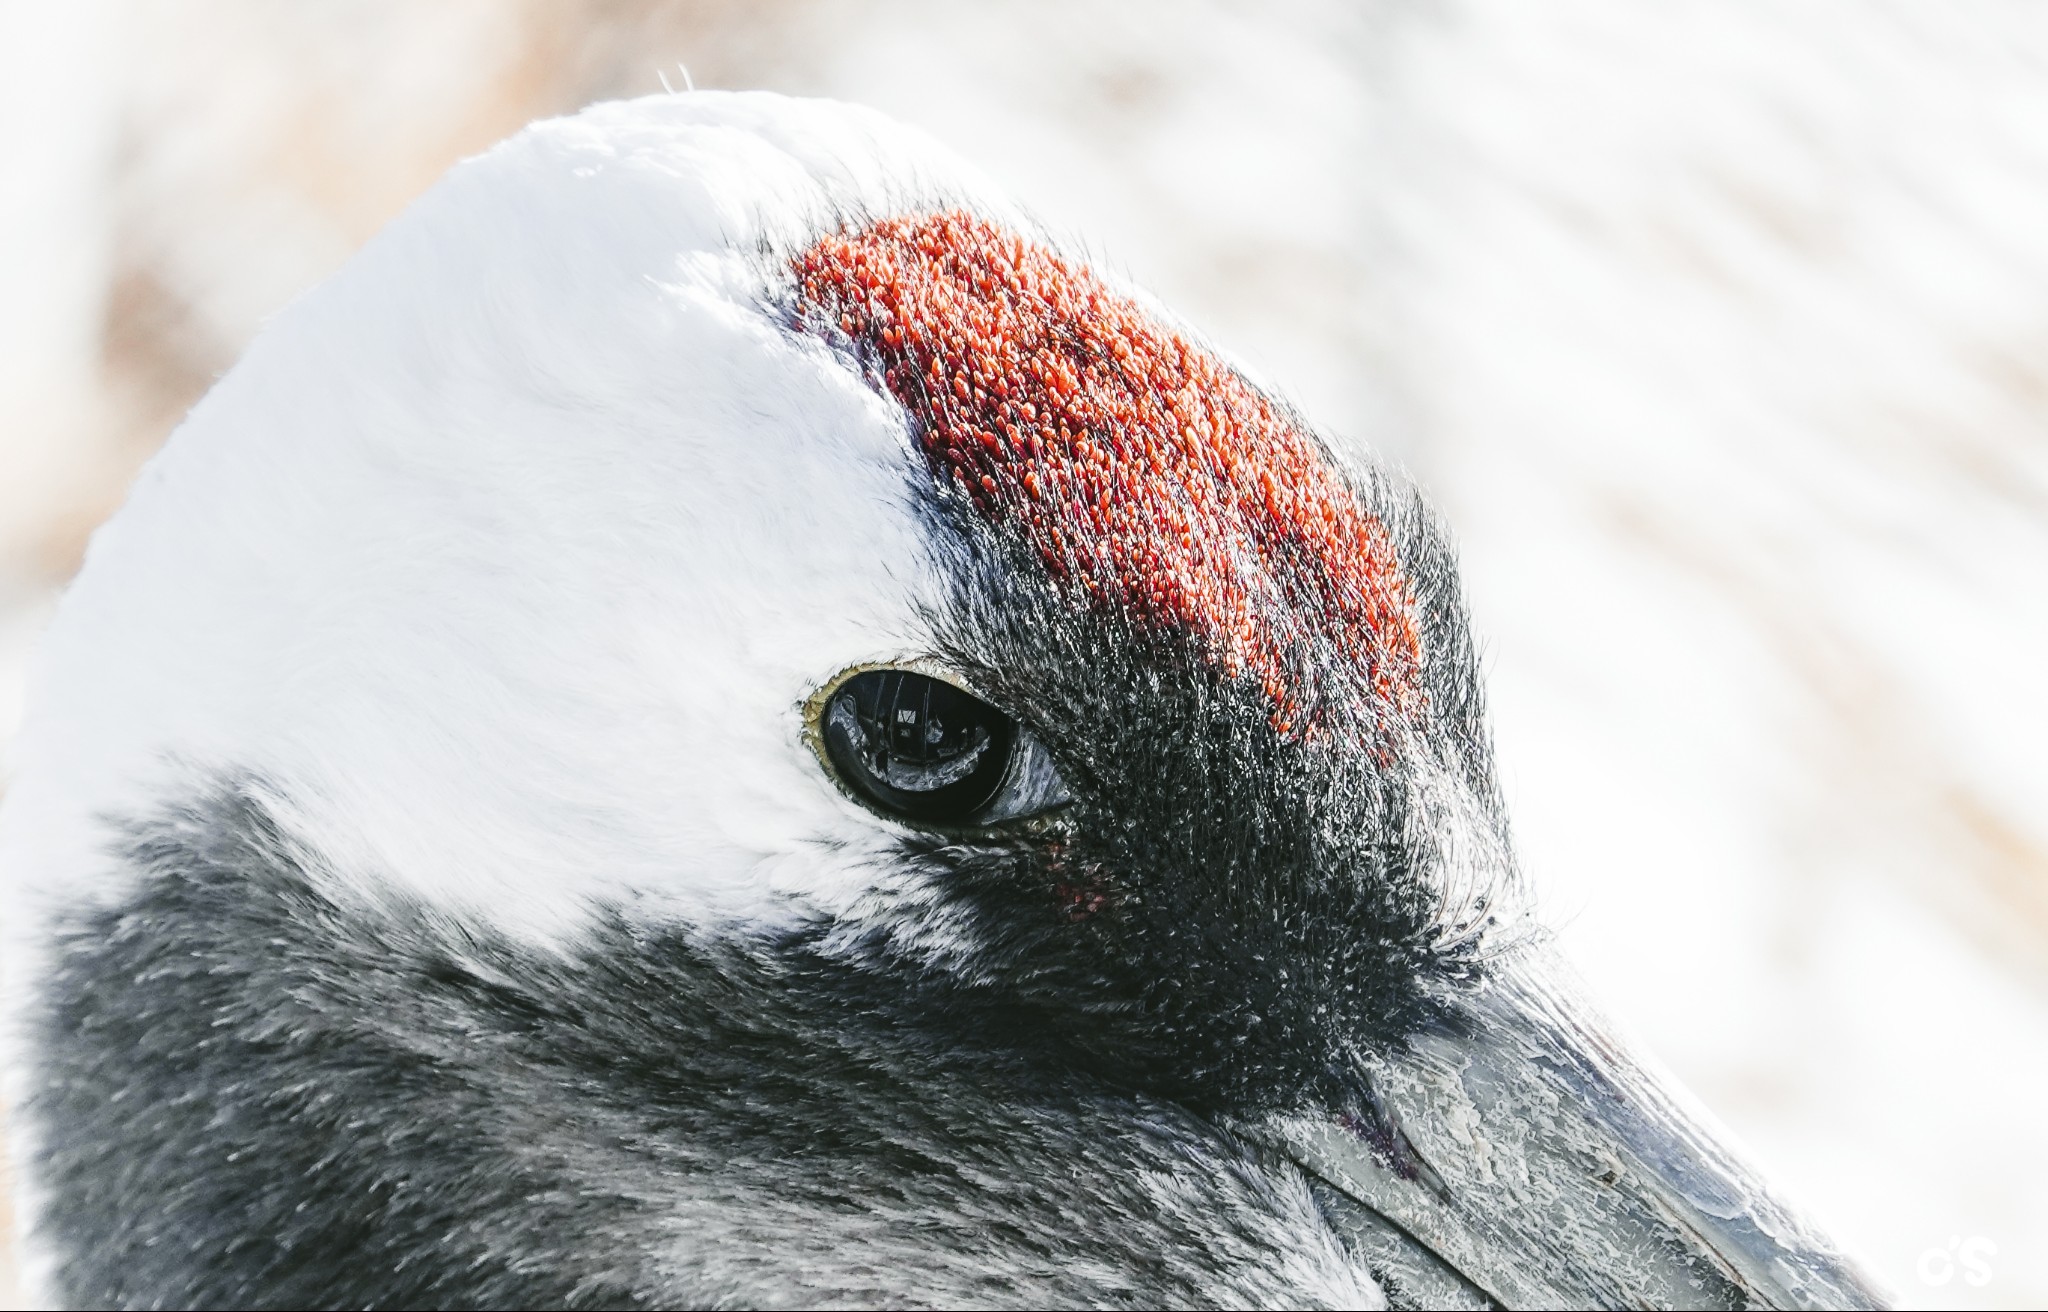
[{"x": 1147, "y": 475}]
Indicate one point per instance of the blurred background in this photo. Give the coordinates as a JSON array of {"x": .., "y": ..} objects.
[{"x": 1719, "y": 331}]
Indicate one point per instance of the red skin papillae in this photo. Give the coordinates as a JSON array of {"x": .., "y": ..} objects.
[{"x": 1144, "y": 472}]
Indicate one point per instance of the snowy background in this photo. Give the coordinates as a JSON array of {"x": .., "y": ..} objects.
[{"x": 1719, "y": 330}]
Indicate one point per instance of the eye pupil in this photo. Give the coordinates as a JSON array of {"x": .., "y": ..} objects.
[{"x": 917, "y": 746}]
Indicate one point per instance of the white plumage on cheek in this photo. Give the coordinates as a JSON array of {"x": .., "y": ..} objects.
[{"x": 509, "y": 556}]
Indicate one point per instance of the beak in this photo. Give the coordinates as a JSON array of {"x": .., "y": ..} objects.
[{"x": 1521, "y": 1156}]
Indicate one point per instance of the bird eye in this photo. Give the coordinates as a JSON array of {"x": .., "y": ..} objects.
[{"x": 917, "y": 748}]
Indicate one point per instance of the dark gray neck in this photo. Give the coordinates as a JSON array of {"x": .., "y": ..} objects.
[{"x": 248, "y": 1094}]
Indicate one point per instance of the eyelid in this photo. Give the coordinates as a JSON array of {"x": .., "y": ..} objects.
[{"x": 1032, "y": 786}]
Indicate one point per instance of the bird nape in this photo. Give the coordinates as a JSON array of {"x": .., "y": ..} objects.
[{"x": 721, "y": 720}]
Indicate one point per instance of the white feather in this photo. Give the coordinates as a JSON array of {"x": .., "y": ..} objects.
[{"x": 507, "y": 557}]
